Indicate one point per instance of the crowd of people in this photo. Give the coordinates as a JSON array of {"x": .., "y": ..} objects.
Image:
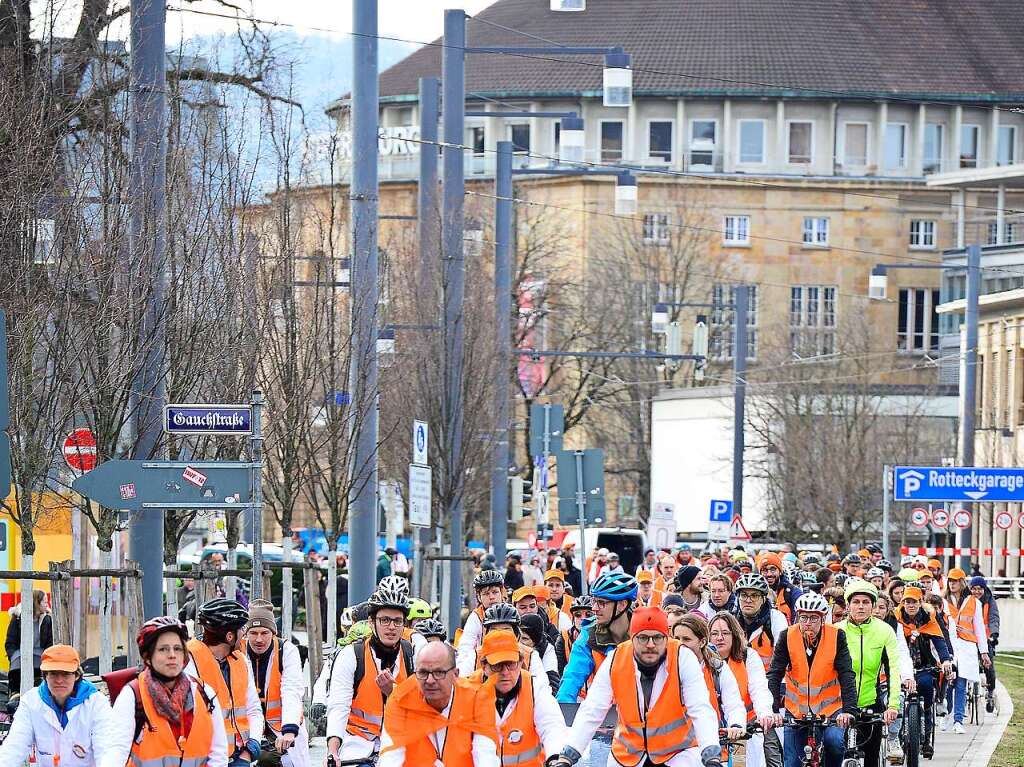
[{"x": 676, "y": 663}]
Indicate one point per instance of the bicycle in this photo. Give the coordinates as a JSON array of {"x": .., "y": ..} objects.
[
  {"x": 731, "y": 745},
  {"x": 975, "y": 704},
  {"x": 917, "y": 733},
  {"x": 369, "y": 761},
  {"x": 814, "y": 749},
  {"x": 855, "y": 756}
]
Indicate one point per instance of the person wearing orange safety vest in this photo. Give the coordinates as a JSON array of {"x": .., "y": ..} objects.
[
  {"x": 559, "y": 604},
  {"x": 812, "y": 675},
  {"x": 530, "y": 722},
  {"x": 217, "y": 660},
  {"x": 582, "y": 609},
  {"x": 647, "y": 595},
  {"x": 667, "y": 567},
  {"x": 277, "y": 668},
  {"x": 365, "y": 674},
  {"x": 665, "y": 714},
  {"x": 166, "y": 717},
  {"x": 436, "y": 718},
  {"x": 969, "y": 639},
  {"x": 769, "y": 564},
  {"x": 490, "y": 590}
]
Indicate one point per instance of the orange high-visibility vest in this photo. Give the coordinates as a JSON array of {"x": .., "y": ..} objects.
[
  {"x": 739, "y": 670},
  {"x": 232, "y": 699},
  {"x": 407, "y": 633},
  {"x": 666, "y": 730},
  {"x": 813, "y": 689},
  {"x": 963, "y": 617},
  {"x": 367, "y": 713},
  {"x": 270, "y": 696},
  {"x": 156, "y": 745},
  {"x": 763, "y": 647},
  {"x": 783, "y": 606},
  {"x": 411, "y": 722},
  {"x": 519, "y": 740},
  {"x": 567, "y": 604},
  {"x": 566, "y": 646}
]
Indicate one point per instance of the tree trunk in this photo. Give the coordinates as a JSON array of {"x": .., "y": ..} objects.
[
  {"x": 286, "y": 590},
  {"x": 331, "y": 629},
  {"x": 106, "y": 640}
]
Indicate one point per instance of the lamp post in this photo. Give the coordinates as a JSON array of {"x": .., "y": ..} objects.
[{"x": 877, "y": 289}]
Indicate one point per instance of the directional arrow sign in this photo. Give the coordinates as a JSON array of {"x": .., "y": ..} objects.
[
  {"x": 137, "y": 485},
  {"x": 960, "y": 483}
]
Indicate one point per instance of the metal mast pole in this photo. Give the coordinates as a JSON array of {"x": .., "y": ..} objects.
[
  {"x": 453, "y": 77},
  {"x": 148, "y": 244},
  {"x": 363, "y": 377},
  {"x": 969, "y": 385},
  {"x": 739, "y": 356},
  {"x": 428, "y": 224},
  {"x": 503, "y": 347}
]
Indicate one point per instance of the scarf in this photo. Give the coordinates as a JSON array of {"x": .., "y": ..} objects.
[
  {"x": 762, "y": 620},
  {"x": 924, "y": 623},
  {"x": 170, "y": 704}
]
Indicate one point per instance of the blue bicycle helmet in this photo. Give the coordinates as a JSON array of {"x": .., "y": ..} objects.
[{"x": 615, "y": 587}]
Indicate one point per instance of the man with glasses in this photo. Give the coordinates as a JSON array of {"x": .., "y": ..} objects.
[
  {"x": 436, "y": 718},
  {"x": 812, "y": 675},
  {"x": 760, "y": 621},
  {"x": 530, "y": 723},
  {"x": 664, "y": 708},
  {"x": 364, "y": 674}
]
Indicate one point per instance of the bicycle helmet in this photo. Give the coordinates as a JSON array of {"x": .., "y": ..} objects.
[
  {"x": 851, "y": 559},
  {"x": 615, "y": 587},
  {"x": 752, "y": 582},
  {"x": 418, "y": 610},
  {"x": 884, "y": 564},
  {"x": 395, "y": 583},
  {"x": 388, "y": 598},
  {"x": 501, "y": 613},
  {"x": 861, "y": 586},
  {"x": 839, "y": 579},
  {"x": 875, "y": 572},
  {"x": 811, "y": 602},
  {"x": 908, "y": 575},
  {"x": 811, "y": 558},
  {"x": 581, "y": 603},
  {"x": 487, "y": 578},
  {"x": 790, "y": 569},
  {"x": 431, "y": 627},
  {"x": 807, "y": 578},
  {"x": 223, "y": 614},
  {"x": 833, "y": 557},
  {"x": 360, "y": 612},
  {"x": 873, "y": 548},
  {"x": 154, "y": 627}
]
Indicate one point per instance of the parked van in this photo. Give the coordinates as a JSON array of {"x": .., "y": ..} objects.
[{"x": 628, "y": 543}]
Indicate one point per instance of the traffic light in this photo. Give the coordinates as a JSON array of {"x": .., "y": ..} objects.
[
  {"x": 518, "y": 498},
  {"x": 5, "y": 414}
]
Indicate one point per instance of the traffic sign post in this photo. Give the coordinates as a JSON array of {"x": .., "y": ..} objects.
[
  {"x": 919, "y": 517},
  {"x": 962, "y": 518},
  {"x": 737, "y": 530},
  {"x": 661, "y": 526},
  {"x": 211, "y": 420},
  {"x": 420, "y": 489},
  {"x": 1004, "y": 520},
  {"x": 940, "y": 518},
  {"x": 137, "y": 485},
  {"x": 958, "y": 483},
  {"x": 79, "y": 450},
  {"x": 581, "y": 488},
  {"x": 419, "y": 442},
  {"x": 547, "y": 422}
]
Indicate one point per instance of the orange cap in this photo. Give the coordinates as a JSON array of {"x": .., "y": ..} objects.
[
  {"x": 864, "y": 554},
  {"x": 834, "y": 566},
  {"x": 554, "y": 573},
  {"x": 956, "y": 574},
  {"x": 60, "y": 657},
  {"x": 913, "y": 592},
  {"x": 499, "y": 647},
  {"x": 769, "y": 558},
  {"x": 935, "y": 563},
  {"x": 543, "y": 593},
  {"x": 522, "y": 593},
  {"x": 648, "y": 619},
  {"x": 645, "y": 576}
]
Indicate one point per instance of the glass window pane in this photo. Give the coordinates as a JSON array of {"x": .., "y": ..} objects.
[
  {"x": 519, "y": 135},
  {"x": 895, "y": 145},
  {"x": 969, "y": 146},
  {"x": 855, "y": 148},
  {"x": 702, "y": 142},
  {"x": 611, "y": 141},
  {"x": 751, "y": 141},
  {"x": 660, "y": 141},
  {"x": 932, "y": 148},
  {"x": 1007, "y": 150},
  {"x": 901, "y": 333},
  {"x": 800, "y": 142}
]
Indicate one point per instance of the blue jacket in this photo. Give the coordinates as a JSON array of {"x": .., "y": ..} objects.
[
  {"x": 81, "y": 692},
  {"x": 581, "y": 663}
]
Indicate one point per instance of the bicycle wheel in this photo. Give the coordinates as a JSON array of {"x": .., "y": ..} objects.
[
  {"x": 978, "y": 716},
  {"x": 912, "y": 725}
]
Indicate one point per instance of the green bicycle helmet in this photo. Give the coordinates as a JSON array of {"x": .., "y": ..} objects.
[{"x": 419, "y": 610}]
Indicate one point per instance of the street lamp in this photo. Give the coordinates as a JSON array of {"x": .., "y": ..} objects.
[
  {"x": 625, "y": 195},
  {"x": 568, "y": 5},
  {"x": 618, "y": 80},
  {"x": 570, "y": 140}
]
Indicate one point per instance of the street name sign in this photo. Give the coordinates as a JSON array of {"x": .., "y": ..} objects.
[
  {"x": 137, "y": 485},
  {"x": 216, "y": 420},
  {"x": 958, "y": 483}
]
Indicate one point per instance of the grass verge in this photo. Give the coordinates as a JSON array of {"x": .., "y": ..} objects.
[{"x": 1010, "y": 752}]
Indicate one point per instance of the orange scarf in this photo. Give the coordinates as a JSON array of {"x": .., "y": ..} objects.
[{"x": 410, "y": 720}]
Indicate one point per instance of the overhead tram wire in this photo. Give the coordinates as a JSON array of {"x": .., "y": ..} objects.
[{"x": 581, "y": 62}]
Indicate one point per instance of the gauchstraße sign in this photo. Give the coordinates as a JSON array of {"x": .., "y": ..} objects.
[
  {"x": 208, "y": 419},
  {"x": 959, "y": 483}
]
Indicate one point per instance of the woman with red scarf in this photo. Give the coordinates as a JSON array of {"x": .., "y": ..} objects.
[{"x": 164, "y": 717}]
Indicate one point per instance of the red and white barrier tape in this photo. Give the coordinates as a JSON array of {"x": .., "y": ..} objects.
[{"x": 947, "y": 551}]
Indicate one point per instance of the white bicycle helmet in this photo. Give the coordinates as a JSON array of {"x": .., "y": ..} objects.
[
  {"x": 752, "y": 582},
  {"x": 811, "y": 602},
  {"x": 394, "y": 583}
]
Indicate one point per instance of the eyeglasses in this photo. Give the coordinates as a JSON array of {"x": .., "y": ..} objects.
[
  {"x": 810, "y": 618},
  {"x": 501, "y": 668},
  {"x": 383, "y": 621},
  {"x": 600, "y": 603},
  {"x": 423, "y": 674},
  {"x": 650, "y": 639},
  {"x": 750, "y": 596}
]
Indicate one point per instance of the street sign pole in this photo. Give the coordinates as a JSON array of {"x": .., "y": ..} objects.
[
  {"x": 256, "y": 509},
  {"x": 886, "y": 495},
  {"x": 581, "y": 509}
]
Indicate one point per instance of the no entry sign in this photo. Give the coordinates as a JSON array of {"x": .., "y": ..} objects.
[{"x": 80, "y": 450}]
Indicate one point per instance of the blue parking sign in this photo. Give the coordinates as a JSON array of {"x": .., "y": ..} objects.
[{"x": 721, "y": 511}]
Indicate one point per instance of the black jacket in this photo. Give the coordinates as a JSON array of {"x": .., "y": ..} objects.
[
  {"x": 843, "y": 665},
  {"x": 12, "y": 643}
]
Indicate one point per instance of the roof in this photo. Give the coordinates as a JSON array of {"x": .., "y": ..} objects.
[
  {"x": 937, "y": 49},
  {"x": 989, "y": 177}
]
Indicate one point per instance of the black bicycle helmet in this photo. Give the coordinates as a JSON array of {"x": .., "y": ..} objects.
[
  {"x": 223, "y": 615},
  {"x": 501, "y": 613},
  {"x": 487, "y": 578},
  {"x": 581, "y": 603},
  {"x": 431, "y": 627},
  {"x": 851, "y": 559},
  {"x": 387, "y": 597},
  {"x": 884, "y": 564},
  {"x": 154, "y": 627}
]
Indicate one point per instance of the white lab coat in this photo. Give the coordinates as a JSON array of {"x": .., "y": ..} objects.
[
  {"x": 761, "y": 698},
  {"x": 253, "y": 707},
  {"x": 547, "y": 716},
  {"x": 472, "y": 636},
  {"x": 965, "y": 652},
  {"x": 484, "y": 751},
  {"x": 695, "y": 696},
  {"x": 83, "y": 743},
  {"x": 734, "y": 710},
  {"x": 123, "y": 728},
  {"x": 293, "y": 689}
]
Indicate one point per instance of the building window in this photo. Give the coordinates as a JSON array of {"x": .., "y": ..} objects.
[
  {"x": 932, "y": 148},
  {"x": 656, "y": 230},
  {"x": 611, "y": 141},
  {"x": 751, "y": 140},
  {"x": 855, "y": 144},
  {"x": 815, "y": 231},
  {"x": 476, "y": 140},
  {"x": 723, "y": 319},
  {"x": 812, "y": 320},
  {"x": 922, "y": 234},
  {"x": 1009, "y": 233},
  {"x": 40, "y": 232},
  {"x": 557, "y": 143},
  {"x": 801, "y": 142},
  {"x": 918, "y": 322},
  {"x": 895, "y": 146},
  {"x": 736, "y": 230},
  {"x": 702, "y": 143},
  {"x": 519, "y": 135},
  {"x": 659, "y": 140},
  {"x": 969, "y": 146},
  {"x": 1006, "y": 152}
]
